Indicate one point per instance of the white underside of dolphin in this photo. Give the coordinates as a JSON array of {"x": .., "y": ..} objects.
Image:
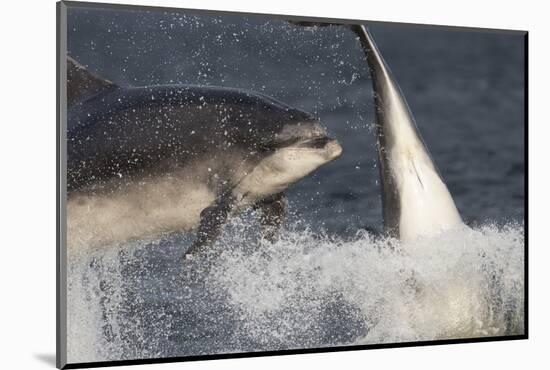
[{"x": 416, "y": 201}]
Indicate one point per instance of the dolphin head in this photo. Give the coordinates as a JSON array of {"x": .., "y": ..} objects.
[
  {"x": 308, "y": 139},
  {"x": 281, "y": 128},
  {"x": 295, "y": 151},
  {"x": 277, "y": 144}
]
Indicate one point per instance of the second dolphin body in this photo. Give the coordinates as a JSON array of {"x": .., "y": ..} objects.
[{"x": 415, "y": 200}]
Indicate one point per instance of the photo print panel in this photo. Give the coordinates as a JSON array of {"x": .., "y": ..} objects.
[{"x": 234, "y": 184}]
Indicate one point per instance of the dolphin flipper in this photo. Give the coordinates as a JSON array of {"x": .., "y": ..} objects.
[
  {"x": 214, "y": 217},
  {"x": 273, "y": 210},
  {"x": 211, "y": 222}
]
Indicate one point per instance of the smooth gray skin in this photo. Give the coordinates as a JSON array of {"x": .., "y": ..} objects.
[{"x": 119, "y": 136}]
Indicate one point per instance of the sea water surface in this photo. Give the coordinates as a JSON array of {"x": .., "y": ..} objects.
[{"x": 327, "y": 281}]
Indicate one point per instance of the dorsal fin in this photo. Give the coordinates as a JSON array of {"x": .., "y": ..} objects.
[{"x": 81, "y": 83}]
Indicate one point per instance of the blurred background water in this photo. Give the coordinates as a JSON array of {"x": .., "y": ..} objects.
[{"x": 465, "y": 88}]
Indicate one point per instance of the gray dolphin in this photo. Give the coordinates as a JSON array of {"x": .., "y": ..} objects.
[{"x": 148, "y": 160}]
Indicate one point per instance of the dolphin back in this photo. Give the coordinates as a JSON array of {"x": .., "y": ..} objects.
[{"x": 124, "y": 131}]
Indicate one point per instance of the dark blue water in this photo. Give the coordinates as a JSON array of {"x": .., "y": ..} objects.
[{"x": 466, "y": 90}]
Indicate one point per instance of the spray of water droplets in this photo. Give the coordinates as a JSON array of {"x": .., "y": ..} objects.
[{"x": 306, "y": 290}]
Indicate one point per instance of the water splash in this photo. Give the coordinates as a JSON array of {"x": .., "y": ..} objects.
[{"x": 308, "y": 289}]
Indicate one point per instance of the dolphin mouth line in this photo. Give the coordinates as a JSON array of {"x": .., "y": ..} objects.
[
  {"x": 318, "y": 142},
  {"x": 310, "y": 143},
  {"x": 322, "y": 143}
]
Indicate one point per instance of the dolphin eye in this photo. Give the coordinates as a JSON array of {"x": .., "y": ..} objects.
[{"x": 263, "y": 146}]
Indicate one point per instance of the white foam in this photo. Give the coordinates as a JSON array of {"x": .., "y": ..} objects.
[
  {"x": 305, "y": 290},
  {"x": 464, "y": 283}
]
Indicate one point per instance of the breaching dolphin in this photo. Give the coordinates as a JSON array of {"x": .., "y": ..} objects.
[
  {"x": 415, "y": 200},
  {"x": 148, "y": 160}
]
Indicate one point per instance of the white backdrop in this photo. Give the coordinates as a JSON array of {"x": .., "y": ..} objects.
[{"x": 27, "y": 155}]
